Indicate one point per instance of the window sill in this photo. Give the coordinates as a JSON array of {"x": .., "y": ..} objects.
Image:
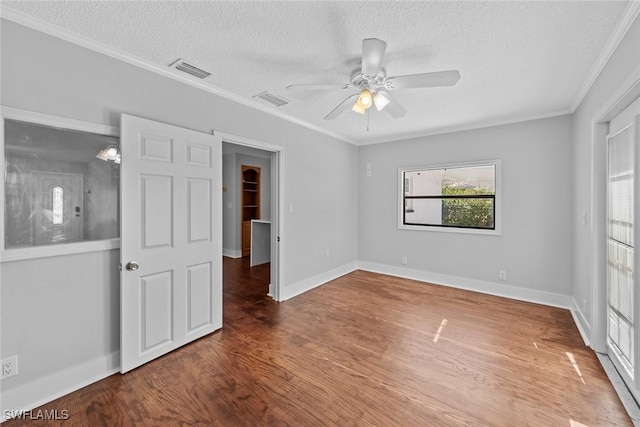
[
  {"x": 32, "y": 252},
  {"x": 495, "y": 232}
]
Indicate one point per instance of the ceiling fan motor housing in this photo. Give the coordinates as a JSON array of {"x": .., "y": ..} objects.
[{"x": 360, "y": 81}]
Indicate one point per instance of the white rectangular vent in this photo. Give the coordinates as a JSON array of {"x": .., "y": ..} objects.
[
  {"x": 272, "y": 99},
  {"x": 188, "y": 68}
]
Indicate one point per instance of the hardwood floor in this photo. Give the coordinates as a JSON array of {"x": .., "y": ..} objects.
[{"x": 365, "y": 349}]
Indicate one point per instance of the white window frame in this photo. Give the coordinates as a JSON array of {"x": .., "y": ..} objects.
[
  {"x": 497, "y": 231},
  {"x": 32, "y": 252}
]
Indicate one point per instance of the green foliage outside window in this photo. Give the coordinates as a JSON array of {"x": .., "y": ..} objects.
[{"x": 467, "y": 212}]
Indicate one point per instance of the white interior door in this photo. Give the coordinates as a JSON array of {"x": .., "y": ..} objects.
[
  {"x": 622, "y": 238},
  {"x": 171, "y": 238}
]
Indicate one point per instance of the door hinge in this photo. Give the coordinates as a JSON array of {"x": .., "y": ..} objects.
[
  {"x": 278, "y": 239},
  {"x": 120, "y": 266}
]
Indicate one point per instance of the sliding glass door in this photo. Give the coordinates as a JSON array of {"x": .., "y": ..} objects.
[{"x": 622, "y": 332}]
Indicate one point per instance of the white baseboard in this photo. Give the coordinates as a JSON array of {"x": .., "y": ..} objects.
[
  {"x": 231, "y": 253},
  {"x": 43, "y": 390},
  {"x": 313, "y": 282},
  {"x": 485, "y": 287},
  {"x": 581, "y": 322}
]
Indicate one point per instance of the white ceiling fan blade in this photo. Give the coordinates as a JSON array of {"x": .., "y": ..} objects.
[
  {"x": 319, "y": 86},
  {"x": 344, "y": 105},
  {"x": 395, "y": 110},
  {"x": 440, "y": 78},
  {"x": 372, "y": 54}
]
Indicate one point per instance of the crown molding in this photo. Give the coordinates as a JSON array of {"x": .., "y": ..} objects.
[
  {"x": 469, "y": 126},
  {"x": 632, "y": 11},
  {"x": 630, "y": 14},
  {"x": 86, "y": 42}
]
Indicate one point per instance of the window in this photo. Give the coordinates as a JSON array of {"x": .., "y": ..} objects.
[
  {"x": 57, "y": 207},
  {"x": 454, "y": 197},
  {"x": 61, "y": 185}
]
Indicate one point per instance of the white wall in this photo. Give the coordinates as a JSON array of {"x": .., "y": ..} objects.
[
  {"x": 71, "y": 310},
  {"x": 624, "y": 63},
  {"x": 535, "y": 245}
]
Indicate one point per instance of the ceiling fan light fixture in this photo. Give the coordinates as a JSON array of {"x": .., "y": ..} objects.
[
  {"x": 380, "y": 100},
  {"x": 364, "y": 100},
  {"x": 358, "y": 108},
  {"x": 363, "y": 103}
]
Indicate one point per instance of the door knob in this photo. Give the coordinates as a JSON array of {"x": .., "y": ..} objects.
[{"x": 132, "y": 266}]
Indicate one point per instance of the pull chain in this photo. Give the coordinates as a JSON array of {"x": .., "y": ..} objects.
[{"x": 368, "y": 119}]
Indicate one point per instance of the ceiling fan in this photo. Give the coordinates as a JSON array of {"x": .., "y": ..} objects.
[{"x": 371, "y": 80}]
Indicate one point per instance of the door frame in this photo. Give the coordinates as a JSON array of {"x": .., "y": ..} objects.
[
  {"x": 621, "y": 99},
  {"x": 277, "y": 205}
]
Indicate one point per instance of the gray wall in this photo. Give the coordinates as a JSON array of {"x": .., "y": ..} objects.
[
  {"x": 76, "y": 309},
  {"x": 231, "y": 199},
  {"x": 535, "y": 245},
  {"x": 59, "y": 312},
  {"x": 230, "y": 218},
  {"x": 623, "y": 63}
]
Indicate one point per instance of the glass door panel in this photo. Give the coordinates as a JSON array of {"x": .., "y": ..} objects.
[{"x": 620, "y": 251}]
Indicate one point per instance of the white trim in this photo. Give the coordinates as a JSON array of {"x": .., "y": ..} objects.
[
  {"x": 497, "y": 231},
  {"x": 46, "y": 389},
  {"x": 277, "y": 205},
  {"x": 581, "y": 322},
  {"x": 247, "y": 142},
  {"x": 597, "y": 236},
  {"x": 485, "y": 287},
  {"x": 231, "y": 253},
  {"x": 317, "y": 280},
  {"x": 278, "y": 232},
  {"x": 626, "y": 93},
  {"x": 57, "y": 121},
  {"x": 624, "y": 394},
  {"x": 86, "y": 42},
  {"x": 32, "y": 252},
  {"x": 629, "y": 16}
]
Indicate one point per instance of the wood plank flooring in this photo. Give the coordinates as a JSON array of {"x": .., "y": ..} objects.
[{"x": 366, "y": 350}]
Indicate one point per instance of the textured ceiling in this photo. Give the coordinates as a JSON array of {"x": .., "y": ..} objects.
[{"x": 517, "y": 59}]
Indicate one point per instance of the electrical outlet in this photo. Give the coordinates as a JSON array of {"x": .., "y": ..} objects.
[
  {"x": 502, "y": 275},
  {"x": 584, "y": 305},
  {"x": 404, "y": 260},
  {"x": 9, "y": 367}
]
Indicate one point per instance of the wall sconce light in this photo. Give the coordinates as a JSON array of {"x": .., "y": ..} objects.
[{"x": 109, "y": 153}]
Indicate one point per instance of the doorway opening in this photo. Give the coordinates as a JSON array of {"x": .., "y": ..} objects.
[{"x": 251, "y": 217}]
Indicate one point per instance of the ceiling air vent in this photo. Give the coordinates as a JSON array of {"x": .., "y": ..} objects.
[
  {"x": 188, "y": 68},
  {"x": 272, "y": 99}
]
